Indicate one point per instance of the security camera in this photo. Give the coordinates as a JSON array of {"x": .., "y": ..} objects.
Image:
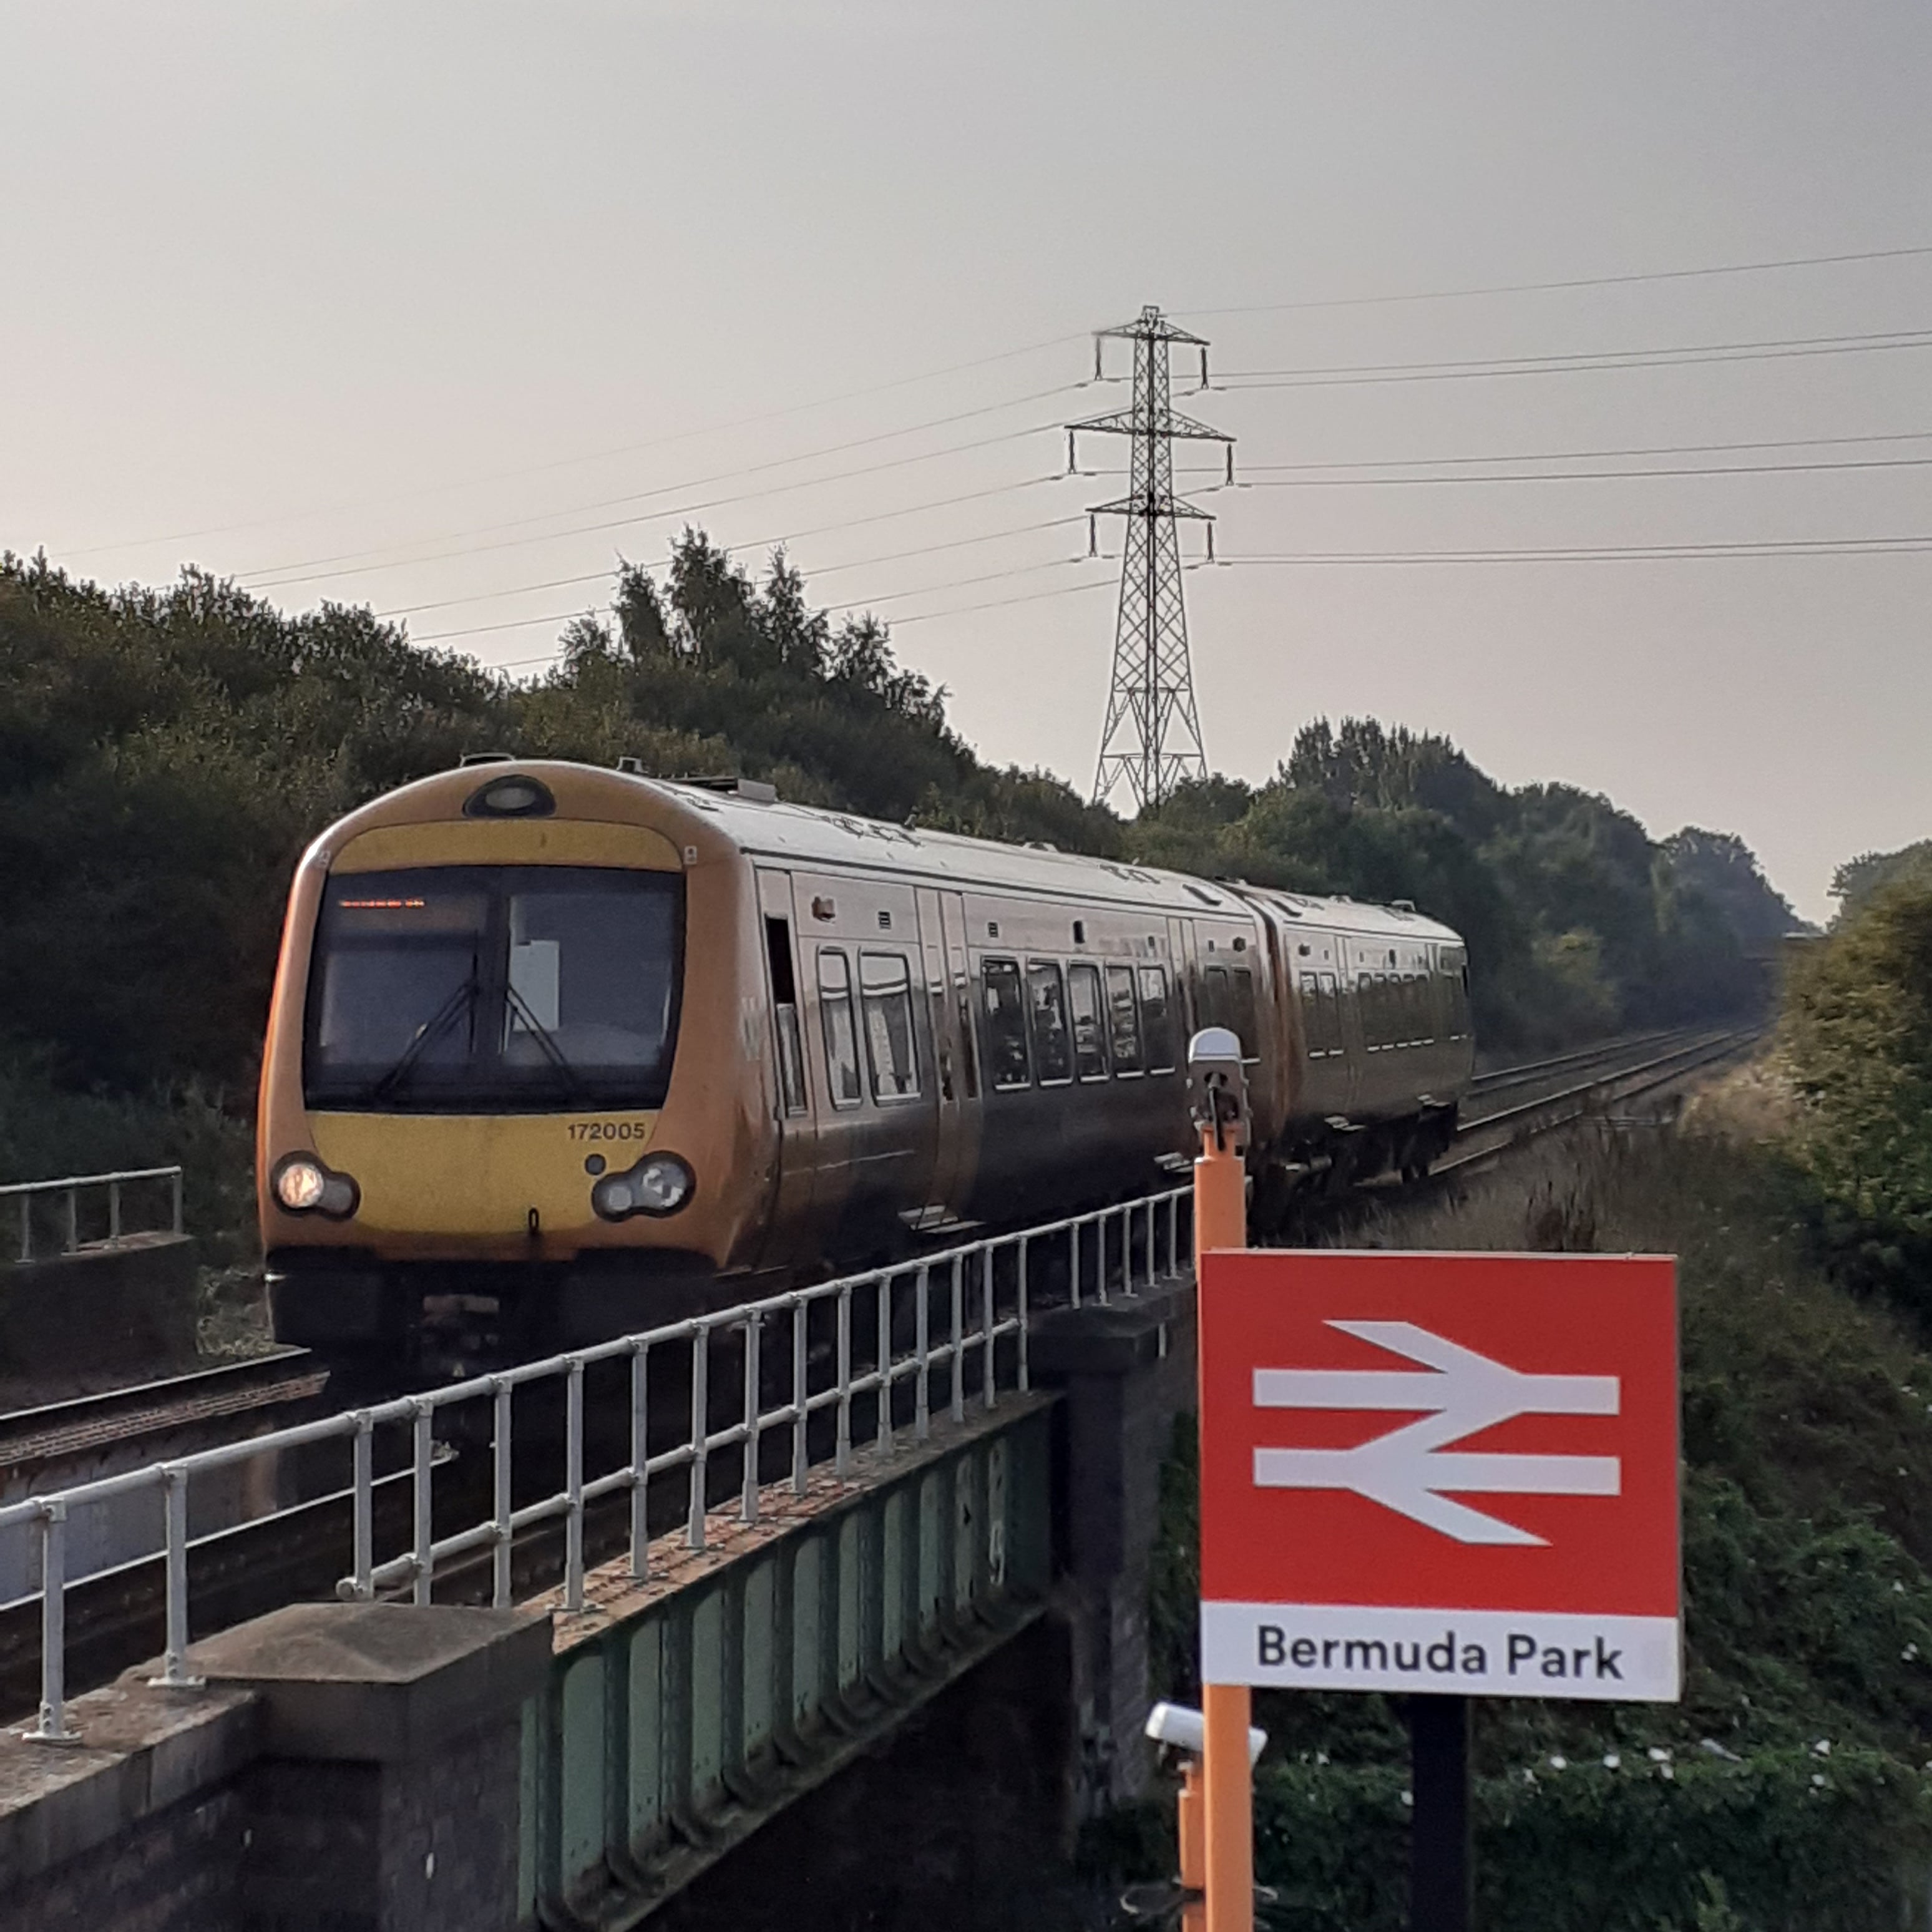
[{"x": 1181, "y": 1729}]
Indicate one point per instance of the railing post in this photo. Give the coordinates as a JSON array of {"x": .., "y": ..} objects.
[
  {"x": 362, "y": 1487},
  {"x": 501, "y": 1492},
  {"x": 422, "y": 1472},
  {"x": 573, "y": 1486},
  {"x": 174, "y": 1186},
  {"x": 72, "y": 1220},
  {"x": 114, "y": 1210},
  {"x": 957, "y": 1355},
  {"x": 841, "y": 1456},
  {"x": 52, "y": 1728},
  {"x": 1174, "y": 1235},
  {"x": 1024, "y": 1377},
  {"x": 174, "y": 1658},
  {"x": 747, "y": 1476},
  {"x": 640, "y": 1461},
  {"x": 700, "y": 1431},
  {"x": 26, "y": 1227},
  {"x": 882, "y": 1360},
  {"x": 1073, "y": 1259},
  {"x": 801, "y": 1459},
  {"x": 921, "y": 1408},
  {"x": 988, "y": 1393}
]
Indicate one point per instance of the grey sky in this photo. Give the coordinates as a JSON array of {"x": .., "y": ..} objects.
[{"x": 325, "y": 284}]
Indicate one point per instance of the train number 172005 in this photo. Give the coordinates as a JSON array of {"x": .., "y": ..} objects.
[{"x": 610, "y": 1130}]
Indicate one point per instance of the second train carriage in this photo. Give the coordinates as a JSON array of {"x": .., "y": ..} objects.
[{"x": 556, "y": 1052}]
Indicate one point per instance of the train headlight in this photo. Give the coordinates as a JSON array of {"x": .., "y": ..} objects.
[
  {"x": 303, "y": 1185},
  {"x": 660, "y": 1183}
]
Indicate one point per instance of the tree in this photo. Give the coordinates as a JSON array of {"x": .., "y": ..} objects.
[{"x": 1856, "y": 1034}]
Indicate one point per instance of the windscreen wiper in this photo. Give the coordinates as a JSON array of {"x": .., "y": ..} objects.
[
  {"x": 547, "y": 1041},
  {"x": 439, "y": 1023}
]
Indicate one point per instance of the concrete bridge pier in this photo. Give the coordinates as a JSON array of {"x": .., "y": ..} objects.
[{"x": 1125, "y": 1369}]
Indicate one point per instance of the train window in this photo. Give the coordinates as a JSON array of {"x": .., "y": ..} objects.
[
  {"x": 1214, "y": 996},
  {"x": 841, "y": 1034},
  {"x": 1242, "y": 987},
  {"x": 1124, "y": 1020},
  {"x": 1456, "y": 985},
  {"x": 1331, "y": 1010},
  {"x": 785, "y": 1016},
  {"x": 1089, "y": 1034},
  {"x": 1318, "y": 1017},
  {"x": 885, "y": 991},
  {"x": 1002, "y": 1007},
  {"x": 1046, "y": 1007},
  {"x": 1158, "y": 1019}
]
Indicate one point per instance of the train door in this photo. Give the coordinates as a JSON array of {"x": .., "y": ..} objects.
[
  {"x": 950, "y": 1051},
  {"x": 1354, "y": 1036},
  {"x": 1186, "y": 977},
  {"x": 797, "y": 1138},
  {"x": 962, "y": 1118}
]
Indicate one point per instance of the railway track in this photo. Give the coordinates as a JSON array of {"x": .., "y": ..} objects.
[
  {"x": 114, "y": 1618},
  {"x": 36, "y": 1445}
]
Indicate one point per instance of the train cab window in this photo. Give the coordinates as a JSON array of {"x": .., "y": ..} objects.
[
  {"x": 1157, "y": 1019},
  {"x": 885, "y": 991},
  {"x": 1002, "y": 1010},
  {"x": 841, "y": 1033},
  {"x": 494, "y": 988},
  {"x": 785, "y": 1016},
  {"x": 1046, "y": 1008},
  {"x": 1123, "y": 1020},
  {"x": 1090, "y": 1032},
  {"x": 1241, "y": 989}
]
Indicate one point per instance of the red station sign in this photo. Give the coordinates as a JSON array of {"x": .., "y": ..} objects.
[{"x": 1449, "y": 1473}]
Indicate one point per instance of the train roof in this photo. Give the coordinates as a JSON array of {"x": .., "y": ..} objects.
[{"x": 772, "y": 827}]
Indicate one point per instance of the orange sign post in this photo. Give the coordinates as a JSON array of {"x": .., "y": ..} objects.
[{"x": 1227, "y": 1784}]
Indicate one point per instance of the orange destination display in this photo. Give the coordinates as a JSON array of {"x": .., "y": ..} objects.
[{"x": 1443, "y": 1473}]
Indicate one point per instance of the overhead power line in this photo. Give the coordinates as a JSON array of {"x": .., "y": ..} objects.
[
  {"x": 587, "y": 456},
  {"x": 1601, "y": 553},
  {"x": 1573, "y": 282},
  {"x": 1588, "y": 475},
  {"x": 1602, "y": 455},
  {"x": 765, "y": 543},
  {"x": 1347, "y": 374},
  {"x": 670, "y": 511}
]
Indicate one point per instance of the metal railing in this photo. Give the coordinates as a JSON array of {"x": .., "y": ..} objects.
[
  {"x": 65, "y": 1197},
  {"x": 877, "y": 1353}
]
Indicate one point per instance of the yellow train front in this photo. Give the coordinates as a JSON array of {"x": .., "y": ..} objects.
[
  {"x": 489, "y": 1085},
  {"x": 558, "y": 1053}
]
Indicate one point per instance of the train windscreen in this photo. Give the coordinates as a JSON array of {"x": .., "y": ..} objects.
[{"x": 524, "y": 988}]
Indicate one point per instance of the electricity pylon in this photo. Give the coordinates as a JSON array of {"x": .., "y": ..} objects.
[{"x": 1153, "y": 734}]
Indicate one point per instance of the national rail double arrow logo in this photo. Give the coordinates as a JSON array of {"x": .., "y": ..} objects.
[{"x": 1456, "y": 1393}]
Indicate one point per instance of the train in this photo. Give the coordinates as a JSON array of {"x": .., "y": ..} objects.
[{"x": 556, "y": 1052}]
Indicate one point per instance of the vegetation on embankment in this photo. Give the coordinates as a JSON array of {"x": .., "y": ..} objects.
[
  {"x": 165, "y": 753},
  {"x": 1789, "y": 1792}
]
